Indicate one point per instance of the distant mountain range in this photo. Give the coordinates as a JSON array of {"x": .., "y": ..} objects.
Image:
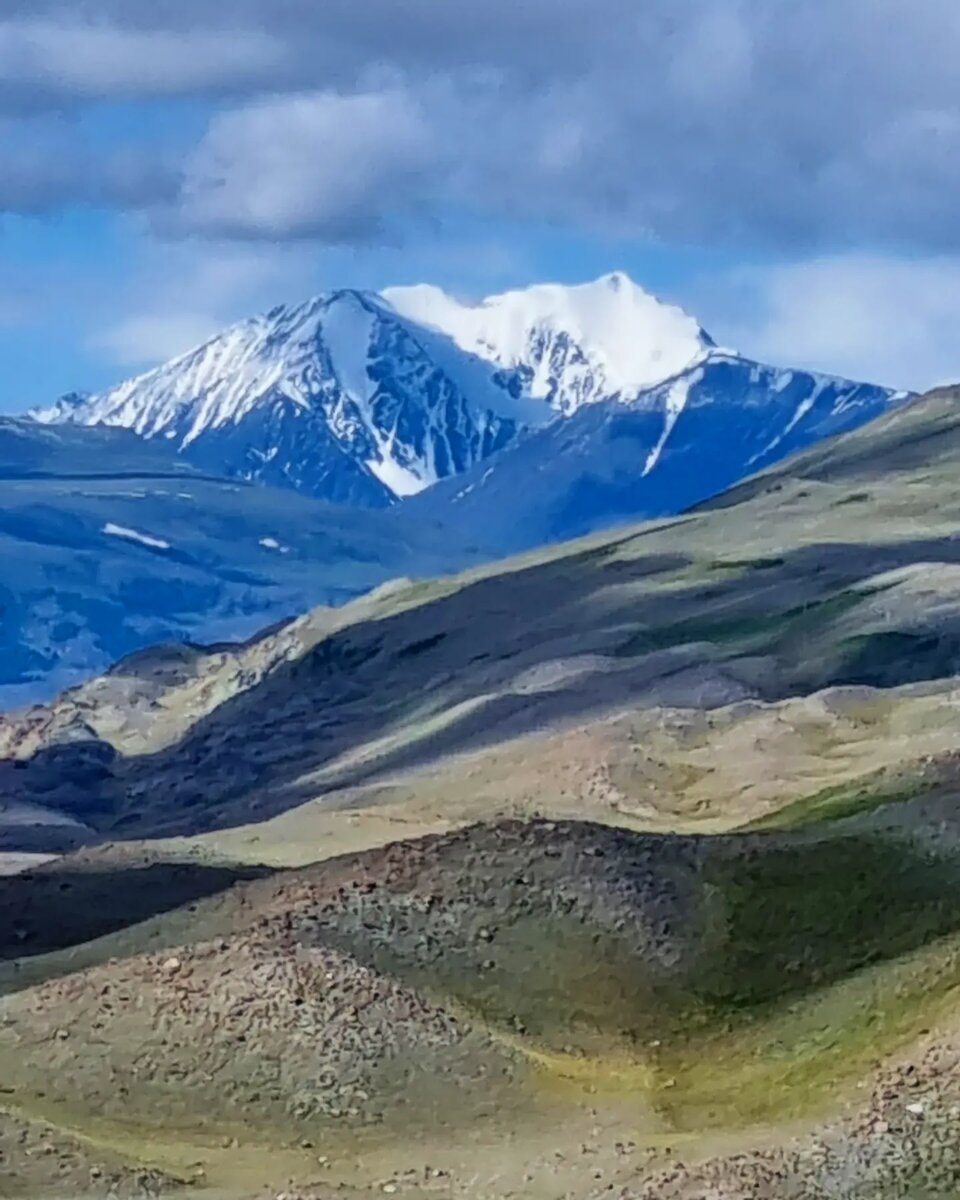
[
  {"x": 669, "y": 448},
  {"x": 422, "y": 434},
  {"x": 610, "y": 404},
  {"x": 110, "y": 543}
]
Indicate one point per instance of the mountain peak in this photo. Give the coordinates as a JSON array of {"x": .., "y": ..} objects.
[
  {"x": 632, "y": 340},
  {"x": 616, "y": 280}
]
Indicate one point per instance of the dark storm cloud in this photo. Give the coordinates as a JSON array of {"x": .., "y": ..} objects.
[{"x": 785, "y": 123}]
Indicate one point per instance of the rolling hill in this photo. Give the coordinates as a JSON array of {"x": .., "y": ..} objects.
[{"x": 636, "y": 859}]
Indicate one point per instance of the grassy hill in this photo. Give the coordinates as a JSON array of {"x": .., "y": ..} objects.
[{"x": 636, "y": 860}]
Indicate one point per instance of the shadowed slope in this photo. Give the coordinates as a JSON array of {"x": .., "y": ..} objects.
[
  {"x": 77, "y": 899},
  {"x": 842, "y": 569}
]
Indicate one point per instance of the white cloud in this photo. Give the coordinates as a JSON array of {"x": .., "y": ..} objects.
[
  {"x": 155, "y": 337},
  {"x": 720, "y": 121},
  {"x": 320, "y": 164},
  {"x": 887, "y": 320},
  {"x": 826, "y": 132},
  {"x": 177, "y": 296}
]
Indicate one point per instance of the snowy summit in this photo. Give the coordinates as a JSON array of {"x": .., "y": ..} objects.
[{"x": 575, "y": 344}]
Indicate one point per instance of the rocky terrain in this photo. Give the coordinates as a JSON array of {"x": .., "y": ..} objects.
[
  {"x": 623, "y": 870},
  {"x": 59, "y": 1165},
  {"x": 406, "y": 1005}
]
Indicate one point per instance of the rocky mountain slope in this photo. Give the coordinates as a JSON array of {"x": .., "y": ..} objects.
[
  {"x": 617, "y": 405},
  {"x": 637, "y": 858},
  {"x": 379, "y": 1019},
  {"x": 673, "y": 446},
  {"x": 111, "y": 543}
]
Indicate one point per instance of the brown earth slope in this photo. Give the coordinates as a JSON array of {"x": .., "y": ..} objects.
[{"x": 408, "y": 1006}]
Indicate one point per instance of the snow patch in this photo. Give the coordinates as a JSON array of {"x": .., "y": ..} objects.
[
  {"x": 271, "y": 543},
  {"x": 783, "y": 381},
  {"x": 399, "y": 479},
  {"x": 347, "y": 331},
  {"x": 475, "y": 377},
  {"x": 802, "y": 409},
  {"x": 675, "y": 403},
  {"x": 131, "y": 535}
]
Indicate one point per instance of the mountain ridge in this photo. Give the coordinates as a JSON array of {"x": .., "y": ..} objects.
[
  {"x": 112, "y": 542},
  {"x": 677, "y": 445},
  {"x": 371, "y": 398}
]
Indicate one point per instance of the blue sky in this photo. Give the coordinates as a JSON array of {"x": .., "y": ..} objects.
[{"x": 787, "y": 170}]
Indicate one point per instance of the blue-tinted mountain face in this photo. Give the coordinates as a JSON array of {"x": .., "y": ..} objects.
[{"x": 474, "y": 429}]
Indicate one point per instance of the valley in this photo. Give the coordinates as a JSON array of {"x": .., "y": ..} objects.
[{"x": 111, "y": 543}]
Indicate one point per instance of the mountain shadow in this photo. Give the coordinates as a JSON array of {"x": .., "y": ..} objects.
[
  {"x": 546, "y": 646},
  {"x": 81, "y": 898}
]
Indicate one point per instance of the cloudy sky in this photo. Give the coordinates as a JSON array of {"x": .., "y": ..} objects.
[{"x": 789, "y": 170}]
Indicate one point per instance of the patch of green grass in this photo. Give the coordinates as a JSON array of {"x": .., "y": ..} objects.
[
  {"x": 798, "y": 915},
  {"x": 755, "y": 631},
  {"x": 814, "y": 960},
  {"x": 818, "y": 960},
  {"x": 803, "y": 1057},
  {"x": 837, "y": 803}
]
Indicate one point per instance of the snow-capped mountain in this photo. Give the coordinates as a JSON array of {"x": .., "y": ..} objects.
[
  {"x": 363, "y": 398},
  {"x": 366, "y": 399},
  {"x": 529, "y": 417},
  {"x": 567, "y": 346},
  {"x": 341, "y": 398}
]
